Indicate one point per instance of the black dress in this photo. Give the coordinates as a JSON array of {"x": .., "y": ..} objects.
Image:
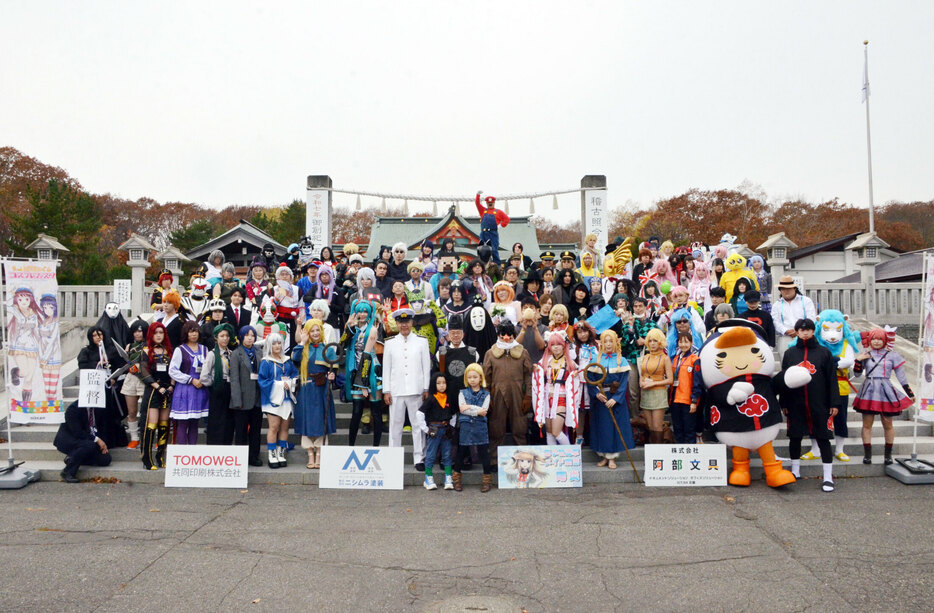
[{"x": 107, "y": 419}]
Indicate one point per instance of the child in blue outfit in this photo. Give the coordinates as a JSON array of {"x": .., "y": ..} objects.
[
  {"x": 473, "y": 403},
  {"x": 438, "y": 419}
]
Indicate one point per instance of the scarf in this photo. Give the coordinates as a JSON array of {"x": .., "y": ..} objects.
[{"x": 506, "y": 346}]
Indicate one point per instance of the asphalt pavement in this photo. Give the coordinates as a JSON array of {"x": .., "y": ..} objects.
[{"x": 605, "y": 547}]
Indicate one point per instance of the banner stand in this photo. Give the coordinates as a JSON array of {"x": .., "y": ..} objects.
[
  {"x": 913, "y": 471},
  {"x": 12, "y": 476}
]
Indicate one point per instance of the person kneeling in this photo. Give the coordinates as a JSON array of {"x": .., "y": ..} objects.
[{"x": 77, "y": 439}]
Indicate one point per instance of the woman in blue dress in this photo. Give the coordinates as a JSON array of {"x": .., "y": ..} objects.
[
  {"x": 315, "y": 416},
  {"x": 610, "y": 396}
]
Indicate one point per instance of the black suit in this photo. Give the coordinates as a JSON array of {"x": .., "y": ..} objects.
[
  {"x": 77, "y": 441},
  {"x": 245, "y": 315}
]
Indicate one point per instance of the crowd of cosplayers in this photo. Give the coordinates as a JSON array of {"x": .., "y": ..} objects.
[{"x": 461, "y": 353}]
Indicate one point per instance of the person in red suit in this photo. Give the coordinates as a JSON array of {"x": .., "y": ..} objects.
[{"x": 490, "y": 220}]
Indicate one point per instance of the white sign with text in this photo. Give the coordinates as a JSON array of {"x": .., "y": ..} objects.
[
  {"x": 361, "y": 468},
  {"x": 92, "y": 391},
  {"x": 678, "y": 465},
  {"x": 206, "y": 466},
  {"x": 123, "y": 292}
]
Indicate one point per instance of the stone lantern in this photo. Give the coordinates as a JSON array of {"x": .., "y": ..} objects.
[
  {"x": 139, "y": 250},
  {"x": 47, "y": 247},
  {"x": 777, "y": 248},
  {"x": 867, "y": 254},
  {"x": 172, "y": 259}
]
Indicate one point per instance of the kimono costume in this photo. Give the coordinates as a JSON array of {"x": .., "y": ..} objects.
[
  {"x": 877, "y": 394},
  {"x": 555, "y": 390},
  {"x": 604, "y": 440},
  {"x": 315, "y": 415},
  {"x": 274, "y": 397}
]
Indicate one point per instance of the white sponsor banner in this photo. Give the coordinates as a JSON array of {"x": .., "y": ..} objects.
[
  {"x": 539, "y": 466},
  {"x": 361, "y": 468},
  {"x": 685, "y": 465},
  {"x": 122, "y": 292},
  {"x": 206, "y": 466},
  {"x": 318, "y": 218},
  {"x": 92, "y": 390},
  {"x": 596, "y": 216},
  {"x": 926, "y": 341},
  {"x": 34, "y": 349}
]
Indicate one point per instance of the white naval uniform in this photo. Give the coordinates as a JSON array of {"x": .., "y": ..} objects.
[{"x": 406, "y": 372}]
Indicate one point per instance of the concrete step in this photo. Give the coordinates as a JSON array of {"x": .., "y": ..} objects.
[{"x": 296, "y": 473}]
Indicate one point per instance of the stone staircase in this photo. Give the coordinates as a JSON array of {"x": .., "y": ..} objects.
[{"x": 33, "y": 444}]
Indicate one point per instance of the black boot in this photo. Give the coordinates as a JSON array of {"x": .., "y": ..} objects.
[
  {"x": 146, "y": 452},
  {"x": 162, "y": 437},
  {"x": 888, "y": 454},
  {"x": 867, "y": 454}
]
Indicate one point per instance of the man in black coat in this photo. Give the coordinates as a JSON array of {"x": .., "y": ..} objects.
[
  {"x": 236, "y": 314},
  {"x": 77, "y": 439},
  {"x": 810, "y": 409}
]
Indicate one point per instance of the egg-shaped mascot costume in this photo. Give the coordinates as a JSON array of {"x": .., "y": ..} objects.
[
  {"x": 737, "y": 368},
  {"x": 735, "y": 266}
]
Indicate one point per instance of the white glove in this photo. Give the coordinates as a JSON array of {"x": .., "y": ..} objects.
[
  {"x": 845, "y": 363},
  {"x": 739, "y": 392},
  {"x": 797, "y": 376}
]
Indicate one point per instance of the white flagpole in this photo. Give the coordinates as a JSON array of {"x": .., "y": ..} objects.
[{"x": 872, "y": 221}]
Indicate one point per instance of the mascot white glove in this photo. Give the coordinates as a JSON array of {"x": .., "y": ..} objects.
[
  {"x": 844, "y": 363},
  {"x": 740, "y": 392},
  {"x": 797, "y": 376}
]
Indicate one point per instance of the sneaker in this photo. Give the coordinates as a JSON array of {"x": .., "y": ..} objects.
[
  {"x": 888, "y": 461},
  {"x": 448, "y": 482},
  {"x": 133, "y": 445},
  {"x": 430, "y": 483},
  {"x": 843, "y": 457},
  {"x": 273, "y": 458},
  {"x": 68, "y": 477}
]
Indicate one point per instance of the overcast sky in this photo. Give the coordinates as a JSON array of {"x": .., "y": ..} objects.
[{"x": 236, "y": 103}]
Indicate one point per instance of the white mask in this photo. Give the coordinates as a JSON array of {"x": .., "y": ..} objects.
[
  {"x": 112, "y": 309},
  {"x": 477, "y": 318}
]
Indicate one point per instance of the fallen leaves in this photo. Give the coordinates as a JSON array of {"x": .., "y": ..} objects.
[{"x": 100, "y": 479}]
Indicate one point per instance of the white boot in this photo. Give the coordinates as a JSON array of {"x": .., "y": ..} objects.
[{"x": 273, "y": 458}]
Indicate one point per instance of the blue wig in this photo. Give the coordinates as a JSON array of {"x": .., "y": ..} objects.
[
  {"x": 835, "y": 316},
  {"x": 680, "y": 315}
]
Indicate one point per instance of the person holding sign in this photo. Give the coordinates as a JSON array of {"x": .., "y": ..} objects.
[
  {"x": 157, "y": 395},
  {"x": 190, "y": 401},
  {"x": 77, "y": 439},
  {"x": 99, "y": 354}
]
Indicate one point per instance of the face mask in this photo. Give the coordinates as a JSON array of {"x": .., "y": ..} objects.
[
  {"x": 112, "y": 309},
  {"x": 477, "y": 318}
]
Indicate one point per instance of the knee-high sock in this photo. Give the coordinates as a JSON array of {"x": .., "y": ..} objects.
[
  {"x": 563, "y": 439},
  {"x": 828, "y": 471},
  {"x": 796, "y": 468},
  {"x": 551, "y": 438},
  {"x": 814, "y": 446},
  {"x": 840, "y": 442}
]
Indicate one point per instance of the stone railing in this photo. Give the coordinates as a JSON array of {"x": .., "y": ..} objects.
[
  {"x": 895, "y": 303},
  {"x": 83, "y": 301}
]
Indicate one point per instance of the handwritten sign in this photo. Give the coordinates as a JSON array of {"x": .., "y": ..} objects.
[
  {"x": 122, "y": 292},
  {"x": 92, "y": 392},
  {"x": 679, "y": 465},
  {"x": 206, "y": 466}
]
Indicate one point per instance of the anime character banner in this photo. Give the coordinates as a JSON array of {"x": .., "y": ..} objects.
[
  {"x": 539, "y": 466},
  {"x": 926, "y": 340},
  {"x": 34, "y": 350}
]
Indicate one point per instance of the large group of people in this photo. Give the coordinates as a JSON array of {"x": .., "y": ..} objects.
[{"x": 579, "y": 347}]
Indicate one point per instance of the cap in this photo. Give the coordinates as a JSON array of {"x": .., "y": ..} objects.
[
  {"x": 401, "y": 315},
  {"x": 567, "y": 255},
  {"x": 547, "y": 255}
]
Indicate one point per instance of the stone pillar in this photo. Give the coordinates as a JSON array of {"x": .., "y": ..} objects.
[
  {"x": 867, "y": 276},
  {"x": 318, "y": 211},
  {"x": 594, "y": 210},
  {"x": 138, "y": 283}
]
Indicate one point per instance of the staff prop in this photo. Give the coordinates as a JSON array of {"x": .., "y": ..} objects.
[
  {"x": 598, "y": 383},
  {"x": 333, "y": 354}
]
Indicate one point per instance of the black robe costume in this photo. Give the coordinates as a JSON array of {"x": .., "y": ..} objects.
[
  {"x": 107, "y": 419},
  {"x": 809, "y": 406},
  {"x": 485, "y": 337}
]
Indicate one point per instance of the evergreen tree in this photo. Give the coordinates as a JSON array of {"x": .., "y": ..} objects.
[{"x": 74, "y": 218}]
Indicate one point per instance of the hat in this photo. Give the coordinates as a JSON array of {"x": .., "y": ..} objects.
[
  {"x": 217, "y": 305},
  {"x": 165, "y": 272},
  {"x": 356, "y": 257},
  {"x": 610, "y": 248},
  {"x": 787, "y": 282},
  {"x": 403, "y": 314},
  {"x": 258, "y": 261},
  {"x": 547, "y": 255},
  {"x": 567, "y": 255}
]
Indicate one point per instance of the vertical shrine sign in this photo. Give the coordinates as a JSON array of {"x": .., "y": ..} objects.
[
  {"x": 595, "y": 210},
  {"x": 318, "y": 211}
]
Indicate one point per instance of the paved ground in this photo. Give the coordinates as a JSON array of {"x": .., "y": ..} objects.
[{"x": 114, "y": 547}]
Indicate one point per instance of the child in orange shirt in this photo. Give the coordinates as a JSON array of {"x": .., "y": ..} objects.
[{"x": 683, "y": 399}]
